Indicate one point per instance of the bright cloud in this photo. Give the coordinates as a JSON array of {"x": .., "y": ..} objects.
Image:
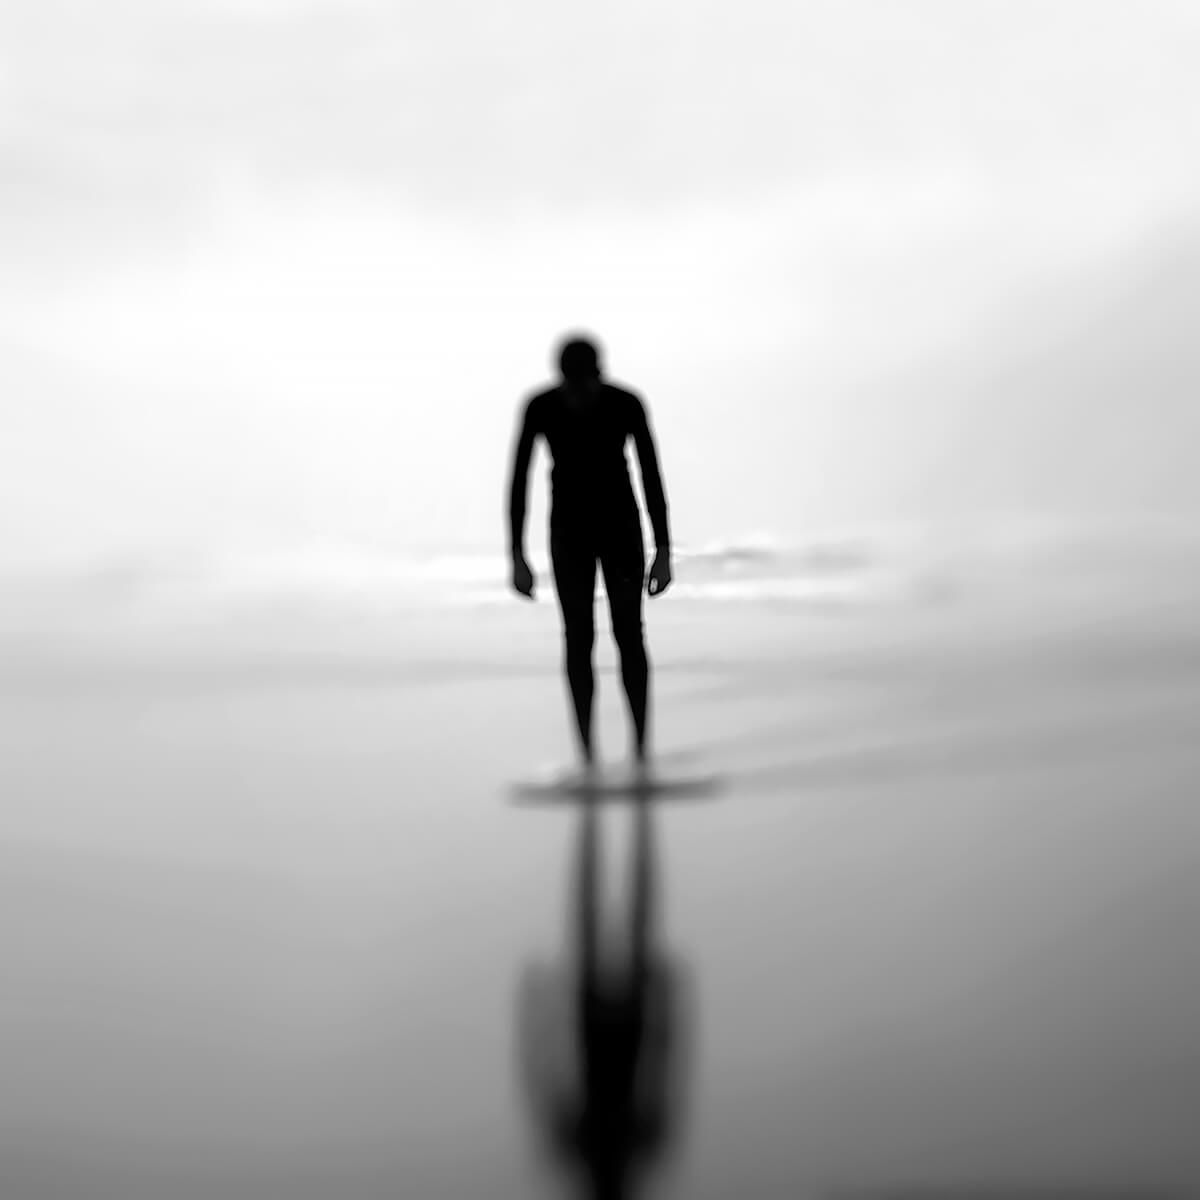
[{"x": 276, "y": 259}]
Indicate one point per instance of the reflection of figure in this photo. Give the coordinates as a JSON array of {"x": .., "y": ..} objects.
[
  {"x": 594, "y": 517},
  {"x": 606, "y": 1105}
]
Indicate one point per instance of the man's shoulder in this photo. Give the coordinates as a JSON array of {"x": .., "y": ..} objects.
[
  {"x": 619, "y": 392},
  {"x": 629, "y": 404},
  {"x": 538, "y": 402},
  {"x": 626, "y": 399},
  {"x": 545, "y": 400}
]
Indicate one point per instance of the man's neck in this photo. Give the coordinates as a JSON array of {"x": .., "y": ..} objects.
[{"x": 581, "y": 390}]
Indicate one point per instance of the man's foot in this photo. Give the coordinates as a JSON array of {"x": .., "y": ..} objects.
[{"x": 587, "y": 775}]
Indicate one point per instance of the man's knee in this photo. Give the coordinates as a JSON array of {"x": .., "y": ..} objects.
[
  {"x": 628, "y": 634},
  {"x": 579, "y": 636}
]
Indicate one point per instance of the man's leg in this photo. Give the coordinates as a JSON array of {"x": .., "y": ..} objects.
[
  {"x": 624, "y": 565},
  {"x": 574, "y": 565}
]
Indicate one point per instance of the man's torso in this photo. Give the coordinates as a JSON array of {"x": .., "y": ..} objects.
[{"x": 586, "y": 431}]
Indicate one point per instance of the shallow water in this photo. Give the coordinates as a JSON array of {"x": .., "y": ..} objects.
[{"x": 271, "y": 921}]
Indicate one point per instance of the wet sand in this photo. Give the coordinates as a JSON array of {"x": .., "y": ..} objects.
[{"x": 266, "y": 916}]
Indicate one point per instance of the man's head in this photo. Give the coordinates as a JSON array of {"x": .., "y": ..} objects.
[{"x": 579, "y": 359}]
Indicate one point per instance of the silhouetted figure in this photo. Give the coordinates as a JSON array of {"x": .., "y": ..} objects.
[
  {"x": 607, "y": 1106},
  {"x": 594, "y": 518}
]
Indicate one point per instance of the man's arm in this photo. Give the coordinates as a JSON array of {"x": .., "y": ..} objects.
[
  {"x": 652, "y": 484},
  {"x": 519, "y": 482}
]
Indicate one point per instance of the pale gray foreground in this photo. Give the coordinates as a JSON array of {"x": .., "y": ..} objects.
[{"x": 264, "y": 926}]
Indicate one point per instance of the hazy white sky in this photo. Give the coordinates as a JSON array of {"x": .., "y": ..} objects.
[{"x": 281, "y": 272}]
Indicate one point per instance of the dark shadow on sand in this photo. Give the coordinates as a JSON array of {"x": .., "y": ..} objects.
[
  {"x": 674, "y": 777},
  {"x": 551, "y": 797}
]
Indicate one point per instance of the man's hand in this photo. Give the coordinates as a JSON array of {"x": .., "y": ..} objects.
[
  {"x": 522, "y": 577},
  {"x": 660, "y": 573}
]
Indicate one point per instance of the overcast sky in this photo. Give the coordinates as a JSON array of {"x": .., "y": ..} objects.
[{"x": 280, "y": 272}]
